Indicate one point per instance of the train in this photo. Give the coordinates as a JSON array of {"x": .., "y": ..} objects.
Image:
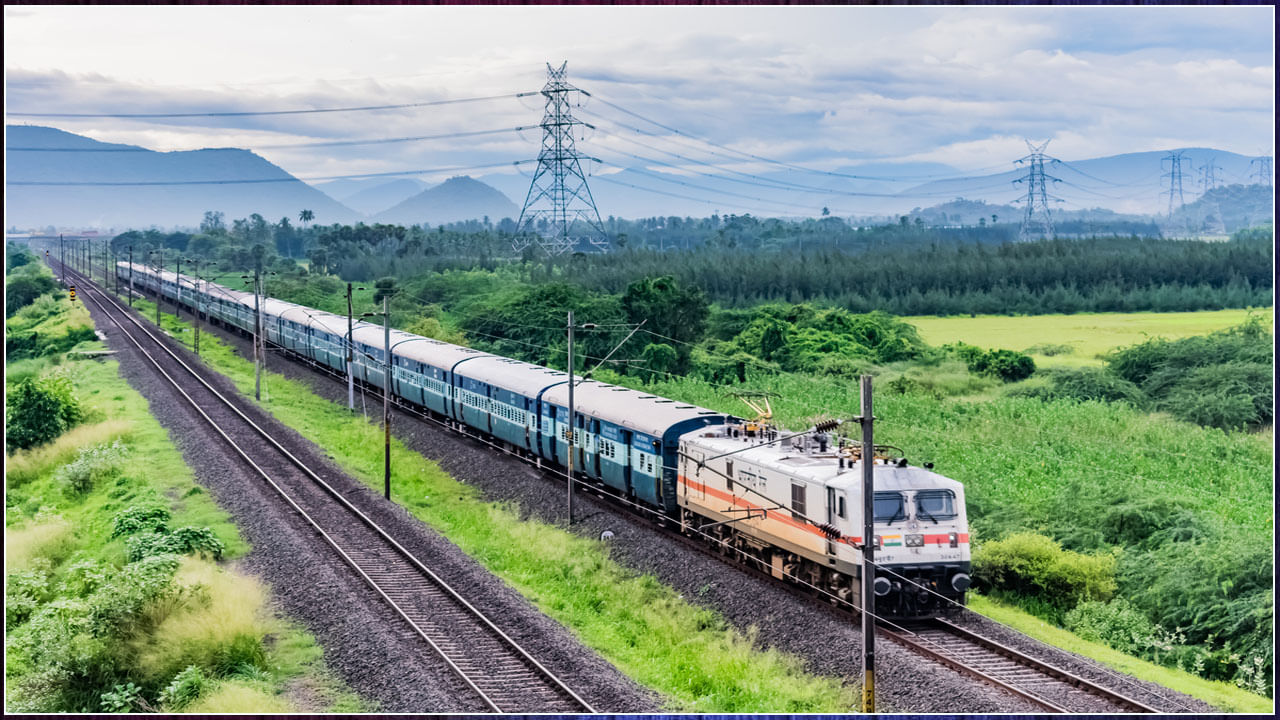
[{"x": 788, "y": 503}]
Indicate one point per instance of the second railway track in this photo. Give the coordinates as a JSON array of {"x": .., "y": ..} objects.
[{"x": 502, "y": 675}]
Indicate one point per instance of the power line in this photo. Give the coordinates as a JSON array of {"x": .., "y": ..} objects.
[
  {"x": 281, "y": 146},
  {"x": 260, "y": 113},
  {"x": 256, "y": 181}
]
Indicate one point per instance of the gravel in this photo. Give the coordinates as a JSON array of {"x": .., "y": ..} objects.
[
  {"x": 365, "y": 642},
  {"x": 828, "y": 643}
]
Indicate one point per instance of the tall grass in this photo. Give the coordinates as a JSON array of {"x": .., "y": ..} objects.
[
  {"x": 26, "y": 465},
  {"x": 239, "y": 698},
  {"x": 52, "y": 539}
]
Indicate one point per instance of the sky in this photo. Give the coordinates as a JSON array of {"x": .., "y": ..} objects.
[{"x": 912, "y": 88}]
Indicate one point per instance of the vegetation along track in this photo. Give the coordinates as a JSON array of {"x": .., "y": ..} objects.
[
  {"x": 1054, "y": 689},
  {"x": 503, "y": 675}
]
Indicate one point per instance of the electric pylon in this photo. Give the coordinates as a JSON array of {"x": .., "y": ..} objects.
[
  {"x": 1037, "y": 220},
  {"x": 1174, "y": 158},
  {"x": 1208, "y": 178},
  {"x": 559, "y": 212},
  {"x": 1263, "y": 174}
]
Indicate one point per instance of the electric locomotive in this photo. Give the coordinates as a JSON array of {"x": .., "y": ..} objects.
[{"x": 792, "y": 505}]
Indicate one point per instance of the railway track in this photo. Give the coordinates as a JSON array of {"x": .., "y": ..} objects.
[
  {"x": 502, "y": 675},
  {"x": 1046, "y": 686},
  {"x": 1049, "y": 687}
]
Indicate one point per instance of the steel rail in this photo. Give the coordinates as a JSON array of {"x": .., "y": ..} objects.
[
  {"x": 830, "y": 602},
  {"x": 538, "y": 668}
]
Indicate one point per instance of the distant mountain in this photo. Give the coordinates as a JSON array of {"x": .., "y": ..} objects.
[
  {"x": 172, "y": 188},
  {"x": 456, "y": 199},
  {"x": 374, "y": 195},
  {"x": 1225, "y": 210}
]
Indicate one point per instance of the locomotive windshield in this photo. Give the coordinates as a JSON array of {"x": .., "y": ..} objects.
[
  {"x": 889, "y": 507},
  {"x": 935, "y": 505}
]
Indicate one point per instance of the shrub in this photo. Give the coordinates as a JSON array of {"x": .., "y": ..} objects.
[
  {"x": 122, "y": 699},
  {"x": 1097, "y": 384},
  {"x": 1031, "y": 565},
  {"x": 34, "y": 415},
  {"x": 82, "y": 578},
  {"x": 21, "y": 288},
  {"x": 1008, "y": 365},
  {"x": 25, "y": 466},
  {"x": 183, "y": 541},
  {"x": 115, "y": 608},
  {"x": 92, "y": 466},
  {"x": 135, "y": 519},
  {"x": 183, "y": 690},
  {"x": 1117, "y": 624},
  {"x": 1050, "y": 350},
  {"x": 25, "y": 591},
  {"x": 1230, "y": 396}
]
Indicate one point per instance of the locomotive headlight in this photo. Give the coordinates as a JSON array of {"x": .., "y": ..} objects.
[
  {"x": 960, "y": 582},
  {"x": 954, "y": 539},
  {"x": 879, "y": 541},
  {"x": 881, "y": 586}
]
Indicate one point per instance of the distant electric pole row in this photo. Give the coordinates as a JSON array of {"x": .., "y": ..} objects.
[{"x": 1037, "y": 219}]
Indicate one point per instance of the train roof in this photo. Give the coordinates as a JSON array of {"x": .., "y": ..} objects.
[
  {"x": 515, "y": 375},
  {"x": 821, "y": 467},
  {"x": 632, "y": 409}
]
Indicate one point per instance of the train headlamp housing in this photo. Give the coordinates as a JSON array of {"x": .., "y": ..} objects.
[{"x": 953, "y": 538}]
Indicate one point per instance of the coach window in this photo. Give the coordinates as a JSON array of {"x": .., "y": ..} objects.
[{"x": 797, "y": 501}]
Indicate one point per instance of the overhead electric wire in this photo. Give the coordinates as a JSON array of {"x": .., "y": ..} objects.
[
  {"x": 260, "y": 113},
  {"x": 255, "y": 181},
  {"x": 283, "y": 146}
]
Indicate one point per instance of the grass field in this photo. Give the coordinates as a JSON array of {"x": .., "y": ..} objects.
[{"x": 1088, "y": 334}]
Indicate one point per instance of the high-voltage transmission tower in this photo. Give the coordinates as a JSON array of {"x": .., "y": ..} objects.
[
  {"x": 1208, "y": 177},
  {"x": 1174, "y": 158},
  {"x": 1037, "y": 220},
  {"x": 1263, "y": 173},
  {"x": 559, "y": 212}
]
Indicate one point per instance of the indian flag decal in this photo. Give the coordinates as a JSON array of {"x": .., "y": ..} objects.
[{"x": 891, "y": 540}]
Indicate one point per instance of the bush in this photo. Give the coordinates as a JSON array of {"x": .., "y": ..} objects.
[
  {"x": 25, "y": 591},
  {"x": 1117, "y": 624},
  {"x": 1083, "y": 384},
  {"x": 40, "y": 411},
  {"x": 122, "y": 699},
  {"x": 183, "y": 541},
  {"x": 1030, "y": 565},
  {"x": 1230, "y": 396},
  {"x": 1050, "y": 350},
  {"x": 92, "y": 466},
  {"x": 1008, "y": 365},
  {"x": 23, "y": 287},
  {"x": 183, "y": 690},
  {"x": 135, "y": 519}
]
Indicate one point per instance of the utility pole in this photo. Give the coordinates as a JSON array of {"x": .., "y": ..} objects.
[
  {"x": 177, "y": 305},
  {"x": 559, "y": 197},
  {"x": 160, "y": 287},
  {"x": 386, "y": 401},
  {"x": 258, "y": 347},
  {"x": 351, "y": 377},
  {"x": 1037, "y": 222},
  {"x": 386, "y": 396},
  {"x": 62, "y": 258},
  {"x": 868, "y": 552},
  {"x": 573, "y": 426},
  {"x": 1208, "y": 177},
  {"x": 130, "y": 276},
  {"x": 1174, "y": 158}
]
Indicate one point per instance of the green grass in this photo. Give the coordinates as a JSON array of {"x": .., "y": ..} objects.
[
  {"x": 688, "y": 654},
  {"x": 1088, "y": 334},
  {"x": 153, "y": 472},
  {"x": 1222, "y": 695}
]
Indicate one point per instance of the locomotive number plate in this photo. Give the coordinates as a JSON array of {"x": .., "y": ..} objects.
[{"x": 915, "y": 540}]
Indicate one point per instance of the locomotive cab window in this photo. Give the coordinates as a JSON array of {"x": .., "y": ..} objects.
[
  {"x": 935, "y": 505},
  {"x": 889, "y": 507}
]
